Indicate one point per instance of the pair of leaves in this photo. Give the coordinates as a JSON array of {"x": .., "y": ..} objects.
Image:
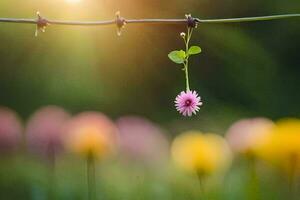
[{"x": 180, "y": 56}]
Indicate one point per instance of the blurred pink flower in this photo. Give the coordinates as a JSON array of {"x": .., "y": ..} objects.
[
  {"x": 188, "y": 103},
  {"x": 142, "y": 140},
  {"x": 44, "y": 131},
  {"x": 245, "y": 135},
  {"x": 91, "y": 134},
  {"x": 10, "y": 130}
]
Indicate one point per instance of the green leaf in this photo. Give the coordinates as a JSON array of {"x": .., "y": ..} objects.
[
  {"x": 194, "y": 50},
  {"x": 177, "y": 56}
]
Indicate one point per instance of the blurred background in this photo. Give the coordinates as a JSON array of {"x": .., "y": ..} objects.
[{"x": 245, "y": 70}]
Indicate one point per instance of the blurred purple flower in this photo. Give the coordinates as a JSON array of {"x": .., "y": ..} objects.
[
  {"x": 44, "y": 131},
  {"x": 10, "y": 130},
  {"x": 142, "y": 140},
  {"x": 188, "y": 103}
]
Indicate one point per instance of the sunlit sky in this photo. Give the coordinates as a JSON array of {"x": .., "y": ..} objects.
[{"x": 73, "y": 1}]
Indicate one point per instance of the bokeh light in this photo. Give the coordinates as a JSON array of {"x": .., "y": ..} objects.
[
  {"x": 142, "y": 141},
  {"x": 283, "y": 146},
  {"x": 201, "y": 153},
  {"x": 10, "y": 130},
  {"x": 91, "y": 134},
  {"x": 44, "y": 131},
  {"x": 246, "y": 135}
]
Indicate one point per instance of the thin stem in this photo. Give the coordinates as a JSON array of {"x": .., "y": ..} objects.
[
  {"x": 149, "y": 21},
  {"x": 186, "y": 63},
  {"x": 186, "y": 70},
  {"x": 91, "y": 180},
  {"x": 254, "y": 192},
  {"x": 293, "y": 164},
  {"x": 51, "y": 173},
  {"x": 201, "y": 185}
]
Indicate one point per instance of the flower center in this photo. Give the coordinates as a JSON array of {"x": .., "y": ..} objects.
[{"x": 188, "y": 102}]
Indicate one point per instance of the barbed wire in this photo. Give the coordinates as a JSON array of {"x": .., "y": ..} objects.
[{"x": 120, "y": 22}]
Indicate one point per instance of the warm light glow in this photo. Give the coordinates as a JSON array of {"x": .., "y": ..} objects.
[{"x": 73, "y": 1}]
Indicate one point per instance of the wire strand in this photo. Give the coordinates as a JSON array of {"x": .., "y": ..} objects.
[
  {"x": 149, "y": 21},
  {"x": 248, "y": 19}
]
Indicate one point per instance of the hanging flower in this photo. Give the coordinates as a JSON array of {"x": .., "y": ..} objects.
[
  {"x": 10, "y": 130},
  {"x": 44, "y": 132},
  {"x": 202, "y": 153},
  {"x": 188, "y": 103}
]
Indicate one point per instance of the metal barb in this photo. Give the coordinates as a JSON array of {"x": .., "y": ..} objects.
[
  {"x": 191, "y": 21},
  {"x": 120, "y": 22},
  {"x": 41, "y": 24}
]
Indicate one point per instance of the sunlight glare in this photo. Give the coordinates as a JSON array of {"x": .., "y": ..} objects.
[{"x": 73, "y": 1}]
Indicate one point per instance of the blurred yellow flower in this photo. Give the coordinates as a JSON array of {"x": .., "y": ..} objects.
[
  {"x": 203, "y": 153},
  {"x": 283, "y": 147},
  {"x": 90, "y": 141},
  {"x": 91, "y": 135},
  {"x": 246, "y": 135}
]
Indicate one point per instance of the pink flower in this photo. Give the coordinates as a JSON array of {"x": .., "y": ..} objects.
[
  {"x": 44, "y": 132},
  {"x": 11, "y": 130},
  {"x": 143, "y": 141},
  {"x": 188, "y": 103},
  {"x": 245, "y": 135}
]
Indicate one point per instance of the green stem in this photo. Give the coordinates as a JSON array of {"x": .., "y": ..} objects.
[
  {"x": 186, "y": 70},
  {"x": 201, "y": 185},
  {"x": 91, "y": 181},
  {"x": 248, "y": 19},
  {"x": 254, "y": 180},
  {"x": 51, "y": 173},
  {"x": 186, "y": 64},
  {"x": 292, "y": 176}
]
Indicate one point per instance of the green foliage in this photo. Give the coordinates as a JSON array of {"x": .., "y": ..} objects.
[
  {"x": 182, "y": 57},
  {"x": 193, "y": 50},
  {"x": 177, "y": 56}
]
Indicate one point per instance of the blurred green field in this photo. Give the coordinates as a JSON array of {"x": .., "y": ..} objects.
[{"x": 28, "y": 179}]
